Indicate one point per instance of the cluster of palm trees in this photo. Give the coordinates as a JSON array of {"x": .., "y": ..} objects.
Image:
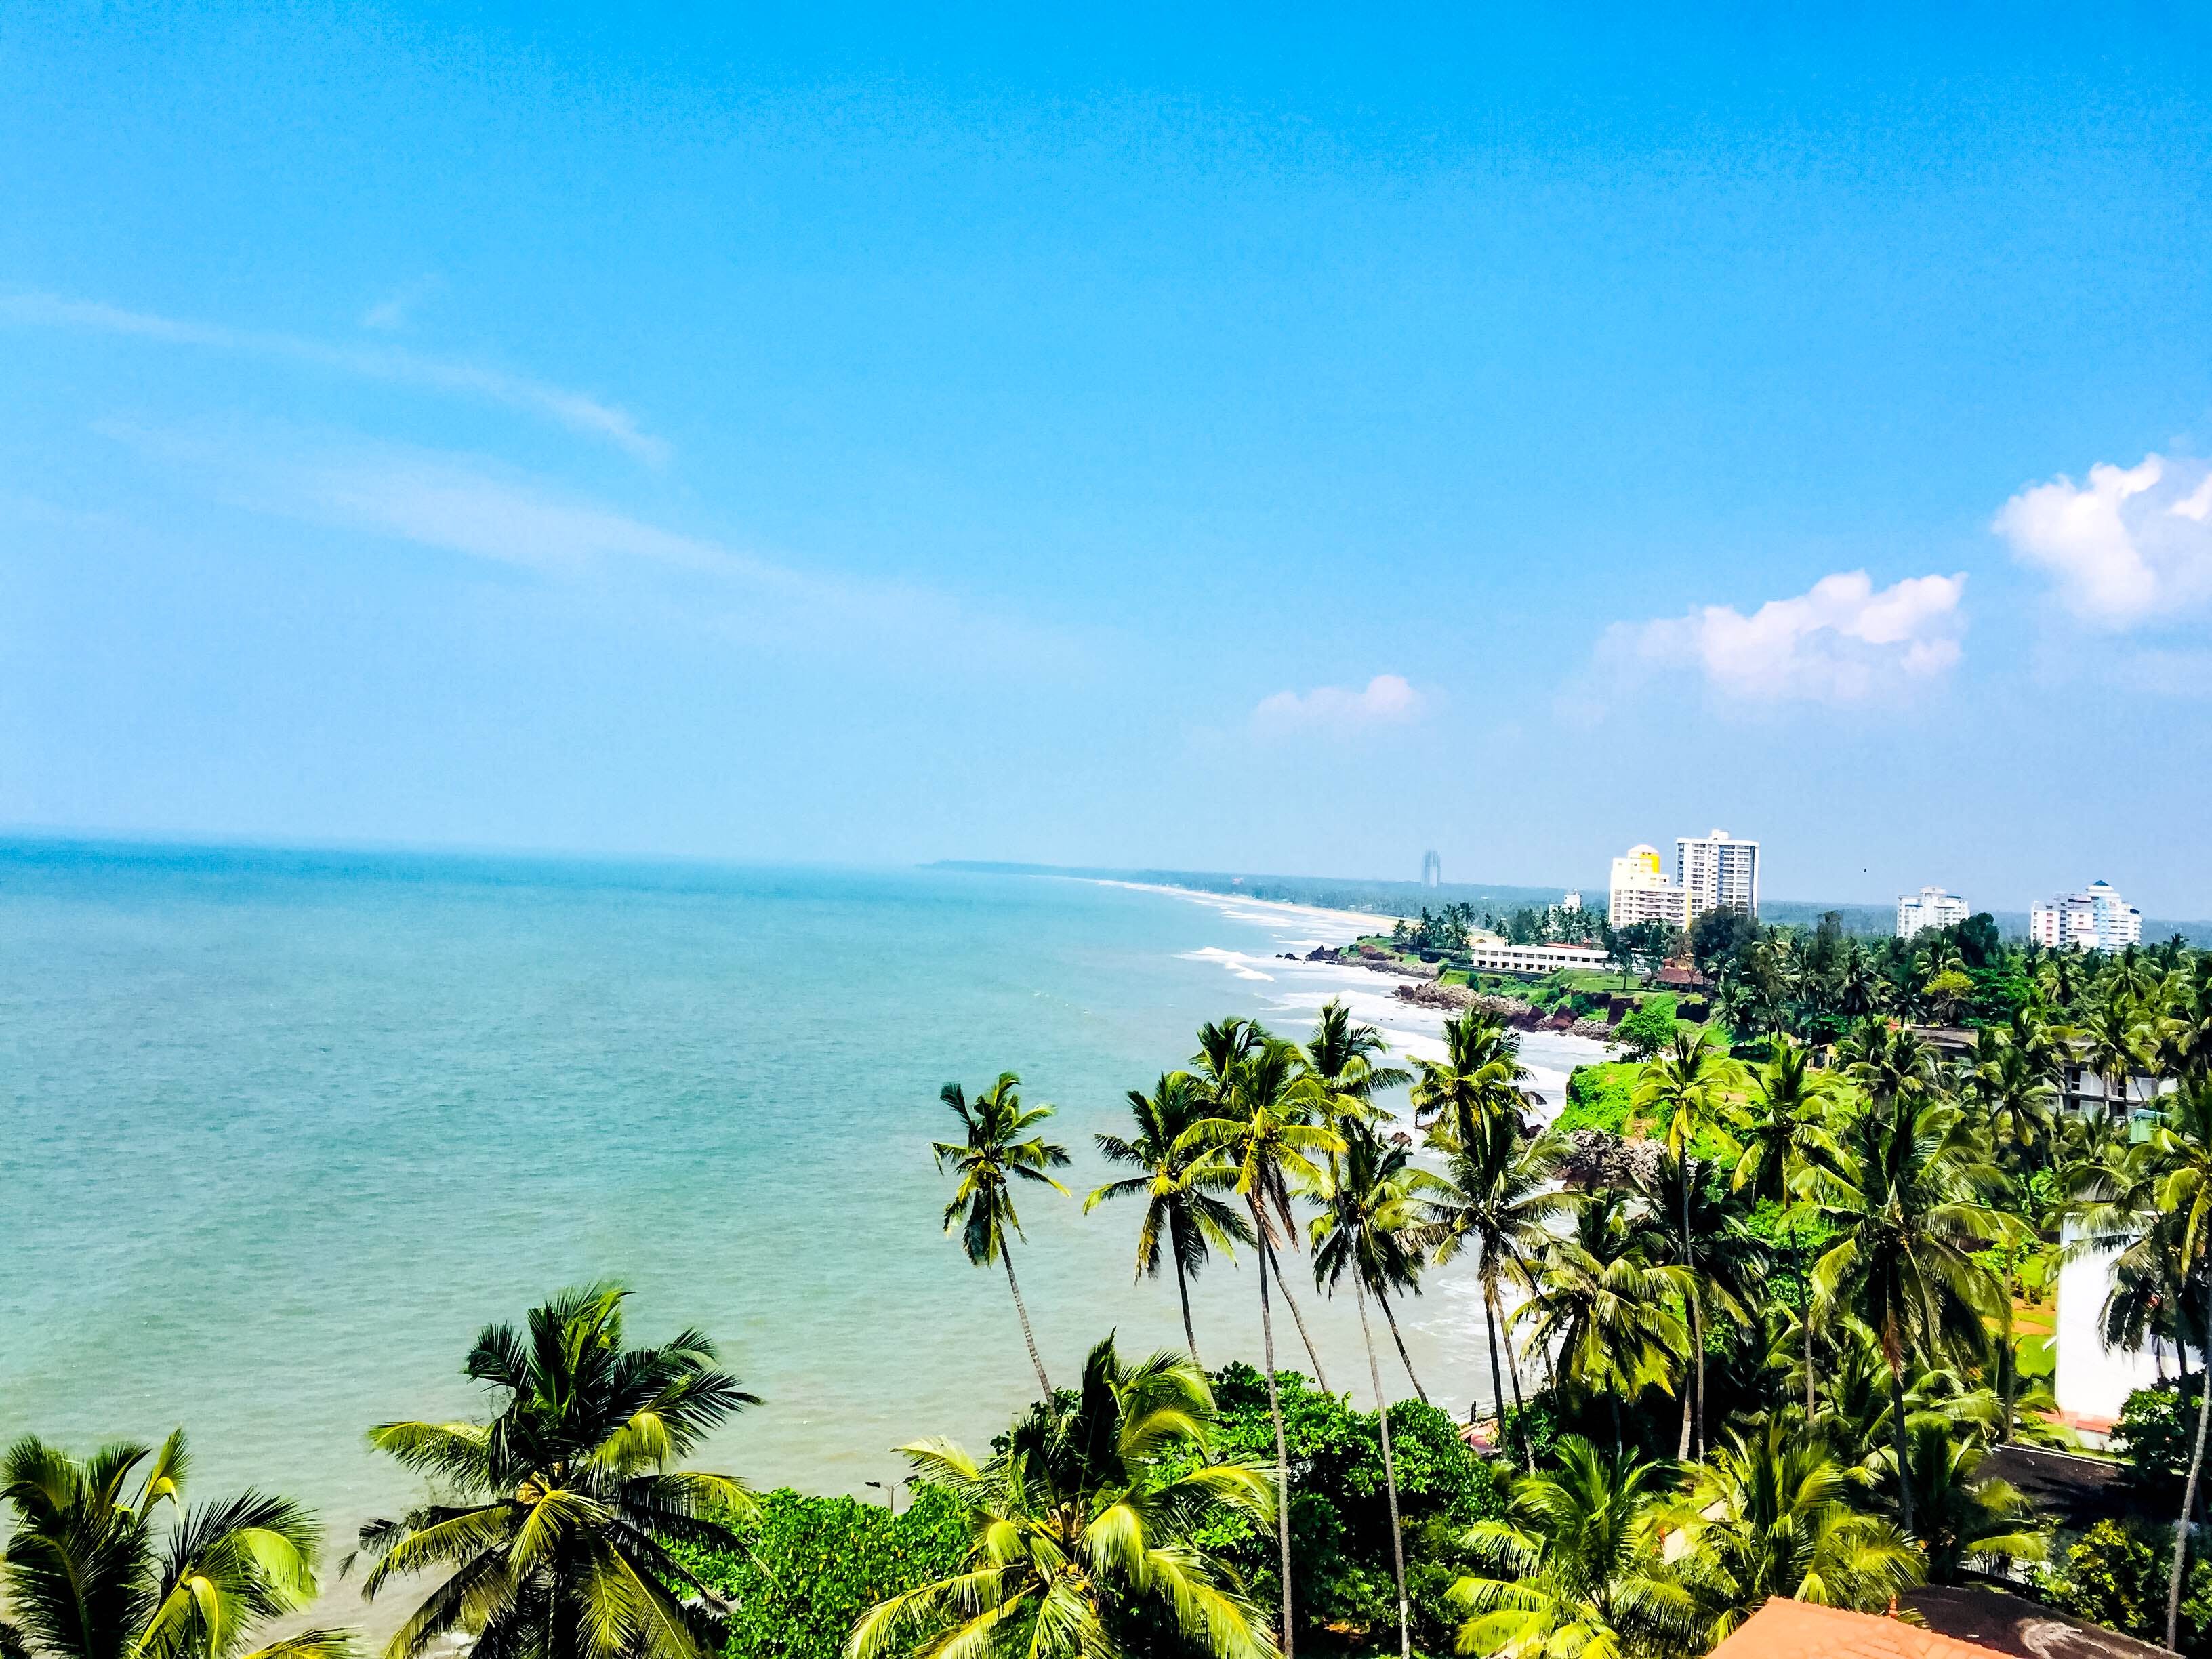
[{"x": 1839, "y": 1228}]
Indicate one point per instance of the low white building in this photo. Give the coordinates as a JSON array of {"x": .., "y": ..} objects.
[
  {"x": 2094, "y": 918},
  {"x": 1931, "y": 907},
  {"x": 1498, "y": 957}
]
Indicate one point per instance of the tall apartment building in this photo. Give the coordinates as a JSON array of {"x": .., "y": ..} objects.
[
  {"x": 1641, "y": 892},
  {"x": 2094, "y": 918},
  {"x": 1432, "y": 869},
  {"x": 1933, "y": 907},
  {"x": 1717, "y": 872}
]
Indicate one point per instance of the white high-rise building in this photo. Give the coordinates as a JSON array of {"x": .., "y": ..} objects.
[
  {"x": 1717, "y": 872},
  {"x": 2094, "y": 918},
  {"x": 1933, "y": 907},
  {"x": 1641, "y": 892},
  {"x": 1572, "y": 902}
]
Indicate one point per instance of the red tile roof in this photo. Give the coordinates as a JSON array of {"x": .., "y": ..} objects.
[{"x": 1799, "y": 1630}]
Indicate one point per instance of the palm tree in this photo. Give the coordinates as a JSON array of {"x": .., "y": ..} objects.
[
  {"x": 1267, "y": 1064},
  {"x": 1346, "y": 1058},
  {"x": 1261, "y": 1130},
  {"x": 1732, "y": 1262},
  {"x": 1963, "y": 1518},
  {"x": 88, "y": 1575},
  {"x": 1770, "y": 1514},
  {"x": 996, "y": 1150},
  {"x": 1075, "y": 1526},
  {"x": 1785, "y": 1127},
  {"x": 1498, "y": 1199},
  {"x": 1902, "y": 1197},
  {"x": 2016, "y": 1093},
  {"x": 1606, "y": 1307},
  {"x": 1365, "y": 1233},
  {"x": 1577, "y": 1569},
  {"x": 556, "y": 1520},
  {"x": 1683, "y": 1084},
  {"x": 1480, "y": 1075},
  {"x": 2162, "y": 1189},
  {"x": 2117, "y": 1042},
  {"x": 1179, "y": 1188}
]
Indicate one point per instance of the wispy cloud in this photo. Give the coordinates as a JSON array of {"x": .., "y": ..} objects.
[
  {"x": 1387, "y": 699},
  {"x": 476, "y": 509},
  {"x": 396, "y": 309},
  {"x": 2131, "y": 546},
  {"x": 1843, "y": 641},
  {"x": 578, "y": 411}
]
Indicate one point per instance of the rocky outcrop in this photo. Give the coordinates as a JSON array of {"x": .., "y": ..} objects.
[
  {"x": 1596, "y": 1161},
  {"x": 1519, "y": 1015}
]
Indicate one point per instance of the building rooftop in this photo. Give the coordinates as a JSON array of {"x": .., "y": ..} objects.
[
  {"x": 1950, "y": 1622},
  {"x": 1799, "y": 1630}
]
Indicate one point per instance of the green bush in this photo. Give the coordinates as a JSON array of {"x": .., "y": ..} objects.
[
  {"x": 811, "y": 1566},
  {"x": 2116, "y": 1575},
  {"x": 1649, "y": 1028},
  {"x": 1598, "y": 1097},
  {"x": 1339, "y": 1509},
  {"x": 2153, "y": 1437}
]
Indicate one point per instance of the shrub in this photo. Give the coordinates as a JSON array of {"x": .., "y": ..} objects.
[
  {"x": 1339, "y": 1509},
  {"x": 811, "y": 1566},
  {"x": 1649, "y": 1028},
  {"x": 1598, "y": 1098},
  {"x": 2155, "y": 1433}
]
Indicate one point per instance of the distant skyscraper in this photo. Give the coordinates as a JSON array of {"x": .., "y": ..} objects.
[
  {"x": 2094, "y": 918},
  {"x": 1717, "y": 872},
  {"x": 1640, "y": 892},
  {"x": 1432, "y": 869},
  {"x": 1934, "y": 907}
]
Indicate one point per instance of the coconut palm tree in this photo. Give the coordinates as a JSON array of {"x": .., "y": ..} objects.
[
  {"x": 1683, "y": 1084},
  {"x": 1184, "y": 1219},
  {"x": 1480, "y": 1075},
  {"x": 1769, "y": 1514},
  {"x": 2016, "y": 1093},
  {"x": 1347, "y": 1059},
  {"x": 1606, "y": 1307},
  {"x": 1075, "y": 1525},
  {"x": 1902, "y": 1196},
  {"x": 2161, "y": 1189},
  {"x": 90, "y": 1574},
  {"x": 1577, "y": 1570},
  {"x": 1262, "y": 1102},
  {"x": 996, "y": 1149},
  {"x": 1364, "y": 1232},
  {"x": 1731, "y": 1262},
  {"x": 1785, "y": 1127},
  {"x": 2117, "y": 1042},
  {"x": 553, "y": 1523},
  {"x": 1267, "y": 1061},
  {"x": 1498, "y": 1199},
  {"x": 1962, "y": 1518}
]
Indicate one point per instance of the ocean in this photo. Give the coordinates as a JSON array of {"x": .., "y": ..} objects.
[{"x": 280, "y": 1131}]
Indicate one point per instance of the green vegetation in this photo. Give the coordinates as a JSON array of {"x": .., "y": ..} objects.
[{"x": 1762, "y": 1346}]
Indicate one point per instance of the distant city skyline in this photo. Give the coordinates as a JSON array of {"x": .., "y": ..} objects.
[{"x": 1203, "y": 442}]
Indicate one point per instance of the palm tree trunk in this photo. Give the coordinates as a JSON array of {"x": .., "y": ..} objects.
[
  {"x": 1497, "y": 1380},
  {"x": 1389, "y": 1468},
  {"x": 1028, "y": 1335},
  {"x": 1298, "y": 1318},
  {"x": 1520, "y": 1417},
  {"x": 1805, "y": 1318},
  {"x": 1896, "y": 1437},
  {"x": 1405, "y": 1358},
  {"x": 1282, "y": 1455},
  {"x": 1697, "y": 1314},
  {"x": 2009, "y": 1360},
  {"x": 1190, "y": 1336},
  {"x": 2189, "y": 1494}
]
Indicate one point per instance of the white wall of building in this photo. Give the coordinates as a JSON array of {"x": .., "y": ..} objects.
[
  {"x": 1717, "y": 871},
  {"x": 2094, "y": 918},
  {"x": 2092, "y": 1380}
]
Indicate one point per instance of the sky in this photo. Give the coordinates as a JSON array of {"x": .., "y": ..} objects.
[{"x": 1269, "y": 439}]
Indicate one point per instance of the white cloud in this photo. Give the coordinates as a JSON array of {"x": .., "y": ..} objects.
[
  {"x": 577, "y": 410},
  {"x": 1388, "y": 700},
  {"x": 1843, "y": 641},
  {"x": 2132, "y": 545}
]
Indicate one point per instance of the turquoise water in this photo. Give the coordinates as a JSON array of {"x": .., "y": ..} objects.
[{"x": 282, "y": 1130}]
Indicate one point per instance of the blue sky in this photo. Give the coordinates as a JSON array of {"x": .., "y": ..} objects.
[{"x": 1278, "y": 439}]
